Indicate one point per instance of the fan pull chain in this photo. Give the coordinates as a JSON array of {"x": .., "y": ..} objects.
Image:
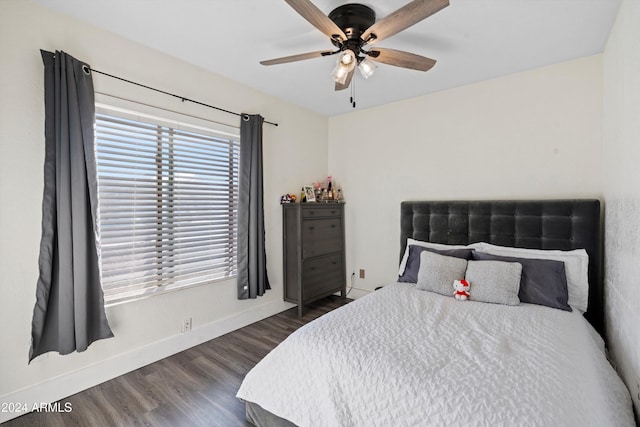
[{"x": 352, "y": 99}]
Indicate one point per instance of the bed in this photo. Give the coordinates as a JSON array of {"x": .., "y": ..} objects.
[{"x": 412, "y": 354}]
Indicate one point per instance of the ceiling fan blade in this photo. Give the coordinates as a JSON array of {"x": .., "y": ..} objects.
[
  {"x": 346, "y": 83},
  {"x": 318, "y": 19},
  {"x": 299, "y": 57},
  {"x": 402, "y": 59},
  {"x": 403, "y": 18}
]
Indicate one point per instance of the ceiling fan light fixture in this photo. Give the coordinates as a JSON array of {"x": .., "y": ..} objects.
[
  {"x": 367, "y": 67},
  {"x": 340, "y": 73},
  {"x": 347, "y": 57},
  {"x": 344, "y": 65}
]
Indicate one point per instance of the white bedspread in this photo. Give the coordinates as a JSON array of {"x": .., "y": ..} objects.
[{"x": 403, "y": 357}]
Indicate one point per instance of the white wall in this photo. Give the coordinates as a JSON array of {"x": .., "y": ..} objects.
[
  {"x": 622, "y": 194},
  {"x": 295, "y": 153},
  {"x": 536, "y": 134}
]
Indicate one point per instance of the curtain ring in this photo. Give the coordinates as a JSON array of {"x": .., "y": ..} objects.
[
  {"x": 86, "y": 69},
  {"x": 245, "y": 117}
]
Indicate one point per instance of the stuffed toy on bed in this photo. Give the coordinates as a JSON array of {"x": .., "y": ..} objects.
[{"x": 461, "y": 290}]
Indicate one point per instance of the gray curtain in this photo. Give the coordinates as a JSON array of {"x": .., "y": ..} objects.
[
  {"x": 69, "y": 312},
  {"x": 252, "y": 260}
]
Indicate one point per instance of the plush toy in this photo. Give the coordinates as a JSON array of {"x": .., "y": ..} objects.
[
  {"x": 461, "y": 290},
  {"x": 285, "y": 199},
  {"x": 288, "y": 198}
]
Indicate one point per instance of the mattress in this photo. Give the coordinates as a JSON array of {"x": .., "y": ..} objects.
[{"x": 405, "y": 357}]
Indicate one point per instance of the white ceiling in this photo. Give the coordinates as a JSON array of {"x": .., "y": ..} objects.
[{"x": 472, "y": 40}]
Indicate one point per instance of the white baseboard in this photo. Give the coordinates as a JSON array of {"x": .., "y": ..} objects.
[{"x": 63, "y": 386}]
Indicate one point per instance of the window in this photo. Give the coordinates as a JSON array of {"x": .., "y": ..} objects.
[{"x": 168, "y": 197}]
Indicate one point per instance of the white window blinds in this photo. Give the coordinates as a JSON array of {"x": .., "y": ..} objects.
[{"x": 167, "y": 204}]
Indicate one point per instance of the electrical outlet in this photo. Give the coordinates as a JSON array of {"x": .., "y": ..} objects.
[
  {"x": 362, "y": 273},
  {"x": 186, "y": 325}
]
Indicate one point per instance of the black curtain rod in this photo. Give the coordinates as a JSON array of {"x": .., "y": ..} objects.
[{"x": 173, "y": 94}]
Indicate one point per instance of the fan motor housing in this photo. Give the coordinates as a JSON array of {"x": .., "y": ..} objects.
[{"x": 353, "y": 19}]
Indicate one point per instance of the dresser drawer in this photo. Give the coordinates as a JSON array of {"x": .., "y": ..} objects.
[
  {"x": 317, "y": 212},
  {"x": 322, "y": 275},
  {"x": 321, "y": 236}
]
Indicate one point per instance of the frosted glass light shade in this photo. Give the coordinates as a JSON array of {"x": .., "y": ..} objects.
[
  {"x": 344, "y": 65},
  {"x": 340, "y": 73},
  {"x": 367, "y": 68}
]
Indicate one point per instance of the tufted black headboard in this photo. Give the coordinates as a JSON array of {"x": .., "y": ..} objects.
[{"x": 535, "y": 224}]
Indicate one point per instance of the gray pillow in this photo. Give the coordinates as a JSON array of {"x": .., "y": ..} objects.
[
  {"x": 412, "y": 266},
  {"x": 437, "y": 272},
  {"x": 543, "y": 281},
  {"x": 497, "y": 282}
]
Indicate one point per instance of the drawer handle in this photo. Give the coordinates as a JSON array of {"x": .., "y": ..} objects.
[
  {"x": 333, "y": 226},
  {"x": 311, "y": 228},
  {"x": 333, "y": 212},
  {"x": 334, "y": 262},
  {"x": 312, "y": 212}
]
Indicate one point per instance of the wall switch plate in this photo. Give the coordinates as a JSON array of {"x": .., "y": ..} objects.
[
  {"x": 362, "y": 273},
  {"x": 186, "y": 325}
]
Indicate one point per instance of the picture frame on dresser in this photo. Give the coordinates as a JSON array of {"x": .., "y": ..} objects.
[{"x": 309, "y": 193}]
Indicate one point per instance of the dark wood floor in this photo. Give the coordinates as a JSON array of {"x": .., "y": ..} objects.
[{"x": 196, "y": 387}]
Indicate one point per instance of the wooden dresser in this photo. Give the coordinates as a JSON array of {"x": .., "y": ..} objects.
[{"x": 314, "y": 259}]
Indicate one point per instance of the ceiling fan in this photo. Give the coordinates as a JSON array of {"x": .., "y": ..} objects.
[{"x": 352, "y": 27}]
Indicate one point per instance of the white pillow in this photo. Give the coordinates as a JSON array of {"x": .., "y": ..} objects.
[
  {"x": 414, "y": 242},
  {"x": 497, "y": 282},
  {"x": 576, "y": 265},
  {"x": 437, "y": 272}
]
